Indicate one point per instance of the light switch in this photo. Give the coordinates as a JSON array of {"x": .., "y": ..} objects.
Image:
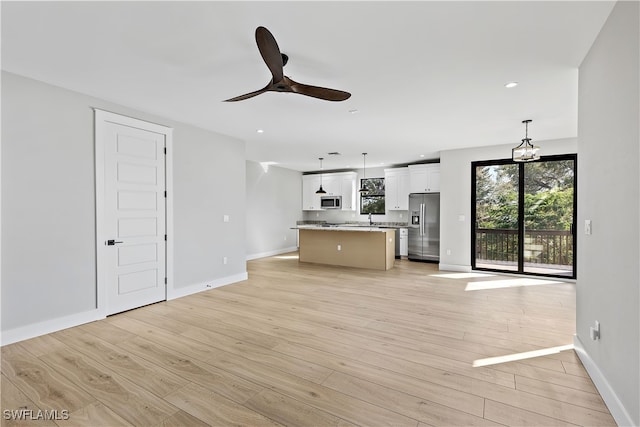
[
  {"x": 461, "y": 218},
  {"x": 225, "y": 218},
  {"x": 587, "y": 226}
]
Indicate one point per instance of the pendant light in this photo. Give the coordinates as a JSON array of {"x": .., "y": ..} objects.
[
  {"x": 525, "y": 152},
  {"x": 364, "y": 173},
  {"x": 321, "y": 190}
]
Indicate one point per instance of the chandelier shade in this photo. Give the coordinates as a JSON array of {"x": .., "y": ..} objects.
[{"x": 526, "y": 151}]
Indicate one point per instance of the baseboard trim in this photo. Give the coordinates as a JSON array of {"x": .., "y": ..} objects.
[
  {"x": 48, "y": 326},
  {"x": 205, "y": 286},
  {"x": 272, "y": 253},
  {"x": 454, "y": 267},
  {"x": 609, "y": 396}
]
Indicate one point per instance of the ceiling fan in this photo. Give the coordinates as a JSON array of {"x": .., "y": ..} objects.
[{"x": 279, "y": 82}]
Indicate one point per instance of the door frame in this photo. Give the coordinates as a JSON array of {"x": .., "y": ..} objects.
[
  {"x": 521, "y": 230},
  {"x": 101, "y": 119}
]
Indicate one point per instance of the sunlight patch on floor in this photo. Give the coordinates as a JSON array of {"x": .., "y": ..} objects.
[
  {"x": 286, "y": 256},
  {"x": 520, "y": 356},
  {"x": 462, "y": 275},
  {"x": 509, "y": 283}
]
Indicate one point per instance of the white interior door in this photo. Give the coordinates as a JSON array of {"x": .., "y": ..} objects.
[{"x": 134, "y": 215}]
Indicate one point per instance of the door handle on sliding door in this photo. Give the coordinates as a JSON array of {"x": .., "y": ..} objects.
[{"x": 112, "y": 242}]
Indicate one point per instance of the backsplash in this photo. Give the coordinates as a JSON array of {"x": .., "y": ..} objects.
[
  {"x": 346, "y": 217},
  {"x": 343, "y": 217}
]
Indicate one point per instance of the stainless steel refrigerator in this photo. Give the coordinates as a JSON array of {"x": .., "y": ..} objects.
[{"x": 424, "y": 226}]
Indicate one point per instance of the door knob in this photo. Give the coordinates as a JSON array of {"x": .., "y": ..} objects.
[{"x": 112, "y": 242}]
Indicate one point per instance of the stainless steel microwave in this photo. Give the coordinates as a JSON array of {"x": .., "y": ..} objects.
[{"x": 331, "y": 202}]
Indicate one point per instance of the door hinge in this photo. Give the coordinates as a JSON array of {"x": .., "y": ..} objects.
[
  {"x": 165, "y": 150},
  {"x": 165, "y": 280},
  {"x": 165, "y": 237},
  {"x": 165, "y": 194}
]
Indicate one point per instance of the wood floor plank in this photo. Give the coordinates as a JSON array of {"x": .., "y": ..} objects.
[
  {"x": 45, "y": 387},
  {"x": 575, "y": 368},
  {"x": 219, "y": 381},
  {"x": 509, "y": 415},
  {"x": 301, "y": 344},
  {"x": 149, "y": 376},
  {"x": 300, "y": 367},
  {"x": 133, "y": 402},
  {"x": 19, "y": 407},
  {"x": 214, "y": 409},
  {"x": 39, "y": 346},
  {"x": 564, "y": 394},
  {"x": 326, "y": 399},
  {"x": 423, "y": 410},
  {"x": 96, "y": 414},
  {"x": 182, "y": 419},
  {"x": 292, "y": 412},
  {"x": 442, "y": 390}
]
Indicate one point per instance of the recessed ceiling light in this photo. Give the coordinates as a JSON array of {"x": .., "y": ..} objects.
[
  {"x": 511, "y": 84},
  {"x": 421, "y": 155},
  {"x": 260, "y": 131}
]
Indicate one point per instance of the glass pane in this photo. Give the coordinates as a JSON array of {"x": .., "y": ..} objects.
[
  {"x": 497, "y": 217},
  {"x": 372, "y": 201},
  {"x": 548, "y": 217}
]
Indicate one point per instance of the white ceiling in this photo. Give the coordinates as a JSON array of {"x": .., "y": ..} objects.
[{"x": 424, "y": 76}]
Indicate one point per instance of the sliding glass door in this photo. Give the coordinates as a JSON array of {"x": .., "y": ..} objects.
[{"x": 524, "y": 215}]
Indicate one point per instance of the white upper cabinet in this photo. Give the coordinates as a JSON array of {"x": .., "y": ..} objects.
[
  {"x": 424, "y": 178},
  {"x": 335, "y": 184},
  {"x": 348, "y": 180},
  {"x": 310, "y": 200},
  {"x": 396, "y": 189}
]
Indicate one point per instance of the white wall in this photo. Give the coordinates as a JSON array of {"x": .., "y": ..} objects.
[
  {"x": 455, "y": 195},
  {"x": 609, "y": 194},
  {"x": 274, "y": 201},
  {"x": 48, "y": 206}
]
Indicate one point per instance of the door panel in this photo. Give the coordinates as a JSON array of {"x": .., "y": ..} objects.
[
  {"x": 496, "y": 222},
  {"x": 135, "y": 217},
  {"x": 548, "y": 217}
]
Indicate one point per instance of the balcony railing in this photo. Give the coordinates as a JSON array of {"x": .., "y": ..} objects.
[{"x": 546, "y": 247}]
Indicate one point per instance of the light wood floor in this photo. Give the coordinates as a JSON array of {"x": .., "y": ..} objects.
[{"x": 309, "y": 345}]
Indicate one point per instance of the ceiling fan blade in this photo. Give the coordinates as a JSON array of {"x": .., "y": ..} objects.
[
  {"x": 270, "y": 53},
  {"x": 249, "y": 95},
  {"x": 317, "y": 92}
]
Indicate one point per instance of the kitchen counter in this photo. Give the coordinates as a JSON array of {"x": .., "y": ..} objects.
[
  {"x": 357, "y": 246},
  {"x": 343, "y": 228}
]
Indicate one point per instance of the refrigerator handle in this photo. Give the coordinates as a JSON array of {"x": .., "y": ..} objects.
[{"x": 422, "y": 219}]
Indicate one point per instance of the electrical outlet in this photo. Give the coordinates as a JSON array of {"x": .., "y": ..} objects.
[
  {"x": 448, "y": 251},
  {"x": 225, "y": 218},
  {"x": 594, "y": 331},
  {"x": 224, "y": 260},
  {"x": 339, "y": 247},
  {"x": 587, "y": 226}
]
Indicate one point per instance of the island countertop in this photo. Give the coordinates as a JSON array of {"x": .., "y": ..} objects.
[{"x": 342, "y": 228}]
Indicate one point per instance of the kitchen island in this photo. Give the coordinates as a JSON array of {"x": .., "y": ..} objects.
[{"x": 363, "y": 247}]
